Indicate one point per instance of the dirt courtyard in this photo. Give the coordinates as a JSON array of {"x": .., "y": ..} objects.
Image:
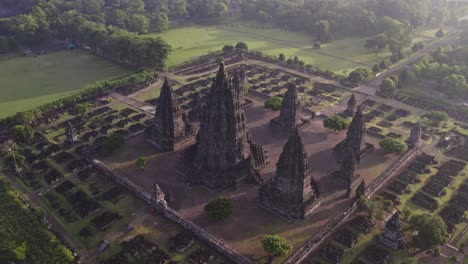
[{"x": 249, "y": 222}]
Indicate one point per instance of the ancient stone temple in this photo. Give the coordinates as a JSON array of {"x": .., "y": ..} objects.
[
  {"x": 414, "y": 138},
  {"x": 392, "y": 236},
  {"x": 351, "y": 107},
  {"x": 292, "y": 193},
  {"x": 355, "y": 138},
  {"x": 346, "y": 176},
  {"x": 158, "y": 197},
  {"x": 224, "y": 154},
  {"x": 171, "y": 128},
  {"x": 290, "y": 111},
  {"x": 361, "y": 190},
  {"x": 70, "y": 135}
]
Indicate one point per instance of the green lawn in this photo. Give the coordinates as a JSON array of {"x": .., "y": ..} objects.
[
  {"x": 27, "y": 82},
  {"x": 340, "y": 56}
]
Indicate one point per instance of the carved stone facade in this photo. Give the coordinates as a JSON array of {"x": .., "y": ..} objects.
[
  {"x": 224, "y": 154},
  {"x": 158, "y": 197},
  {"x": 70, "y": 135},
  {"x": 414, "y": 138},
  {"x": 355, "y": 138},
  {"x": 361, "y": 190},
  {"x": 171, "y": 128},
  {"x": 292, "y": 193},
  {"x": 392, "y": 236},
  {"x": 290, "y": 114},
  {"x": 346, "y": 176}
]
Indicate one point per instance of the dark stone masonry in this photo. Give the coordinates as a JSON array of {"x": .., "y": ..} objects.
[
  {"x": 290, "y": 114},
  {"x": 355, "y": 139},
  {"x": 392, "y": 236},
  {"x": 171, "y": 128},
  {"x": 292, "y": 193},
  {"x": 224, "y": 154},
  {"x": 70, "y": 135},
  {"x": 414, "y": 138}
]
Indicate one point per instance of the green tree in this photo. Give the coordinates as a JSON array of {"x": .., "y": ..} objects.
[
  {"x": 228, "y": 48},
  {"x": 159, "y": 21},
  {"x": 437, "y": 116},
  {"x": 393, "y": 145},
  {"x": 219, "y": 208},
  {"x": 281, "y": 57},
  {"x": 324, "y": 34},
  {"x": 274, "y": 103},
  {"x": 113, "y": 142},
  {"x": 242, "y": 46},
  {"x": 431, "y": 231},
  {"x": 454, "y": 85},
  {"x": 141, "y": 162},
  {"x": 336, "y": 123},
  {"x": 377, "y": 43},
  {"x": 440, "y": 33},
  {"x": 23, "y": 133},
  {"x": 83, "y": 108},
  {"x": 275, "y": 246},
  {"x": 387, "y": 87},
  {"x": 358, "y": 75},
  {"x": 117, "y": 18},
  {"x": 138, "y": 23},
  {"x": 376, "y": 68}
]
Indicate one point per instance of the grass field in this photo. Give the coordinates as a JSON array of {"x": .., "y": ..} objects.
[
  {"x": 341, "y": 55},
  {"x": 28, "y": 82}
]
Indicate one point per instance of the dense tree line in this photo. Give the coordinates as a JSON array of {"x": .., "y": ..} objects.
[
  {"x": 23, "y": 237},
  {"x": 45, "y": 22},
  {"x": 325, "y": 19},
  {"x": 448, "y": 67}
]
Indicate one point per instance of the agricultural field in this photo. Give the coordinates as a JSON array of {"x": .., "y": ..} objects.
[
  {"x": 338, "y": 56},
  {"x": 27, "y": 82}
]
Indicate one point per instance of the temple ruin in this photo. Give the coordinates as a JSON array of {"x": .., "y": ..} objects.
[
  {"x": 171, "y": 128},
  {"x": 392, "y": 236},
  {"x": 292, "y": 193},
  {"x": 290, "y": 114},
  {"x": 224, "y": 154},
  {"x": 414, "y": 138}
]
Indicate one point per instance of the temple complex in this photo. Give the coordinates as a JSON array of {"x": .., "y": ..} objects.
[
  {"x": 70, "y": 135},
  {"x": 290, "y": 111},
  {"x": 392, "y": 236},
  {"x": 224, "y": 154},
  {"x": 292, "y": 193},
  {"x": 415, "y": 136},
  {"x": 171, "y": 128}
]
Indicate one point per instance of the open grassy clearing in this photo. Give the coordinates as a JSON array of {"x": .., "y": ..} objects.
[
  {"x": 338, "y": 56},
  {"x": 27, "y": 82}
]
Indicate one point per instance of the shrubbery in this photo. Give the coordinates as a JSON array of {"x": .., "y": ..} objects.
[
  {"x": 219, "y": 208},
  {"x": 274, "y": 103}
]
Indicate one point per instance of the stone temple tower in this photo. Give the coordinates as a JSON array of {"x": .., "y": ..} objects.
[
  {"x": 355, "y": 138},
  {"x": 171, "y": 128},
  {"x": 290, "y": 111},
  {"x": 224, "y": 154},
  {"x": 292, "y": 192},
  {"x": 392, "y": 236}
]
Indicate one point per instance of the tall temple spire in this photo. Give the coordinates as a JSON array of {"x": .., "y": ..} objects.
[
  {"x": 392, "y": 236},
  {"x": 171, "y": 128},
  {"x": 289, "y": 117},
  {"x": 351, "y": 106},
  {"x": 355, "y": 136},
  {"x": 223, "y": 154},
  {"x": 292, "y": 191},
  {"x": 70, "y": 135}
]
